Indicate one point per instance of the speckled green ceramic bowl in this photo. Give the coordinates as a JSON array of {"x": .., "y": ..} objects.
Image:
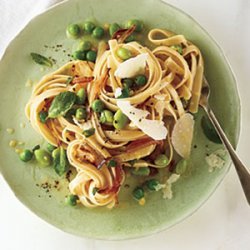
[{"x": 129, "y": 220}]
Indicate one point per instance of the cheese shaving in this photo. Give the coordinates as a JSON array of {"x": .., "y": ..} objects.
[
  {"x": 83, "y": 125},
  {"x": 153, "y": 128},
  {"x": 132, "y": 67},
  {"x": 182, "y": 135},
  {"x": 118, "y": 92},
  {"x": 160, "y": 97},
  {"x": 216, "y": 160},
  {"x": 167, "y": 190}
]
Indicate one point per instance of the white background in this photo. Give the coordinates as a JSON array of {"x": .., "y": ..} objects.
[{"x": 223, "y": 223}]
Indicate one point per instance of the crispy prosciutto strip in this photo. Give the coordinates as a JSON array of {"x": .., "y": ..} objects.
[
  {"x": 145, "y": 142},
  {"x": 82, "y": 79},
  {"x": 122, "y": 34}
]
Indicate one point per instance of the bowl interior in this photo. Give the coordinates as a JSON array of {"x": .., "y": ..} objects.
[{"x": 43, "y": 35}]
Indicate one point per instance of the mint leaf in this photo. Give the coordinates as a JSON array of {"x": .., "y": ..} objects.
[
  {"x": 42, "y": 60},
  {"x": 61, "y": 104}
]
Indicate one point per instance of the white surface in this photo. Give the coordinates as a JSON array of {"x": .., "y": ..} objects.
[{"x": 223, "y": 223}]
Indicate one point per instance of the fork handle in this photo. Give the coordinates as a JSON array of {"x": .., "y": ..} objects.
[{"x": 241, "y": 169}]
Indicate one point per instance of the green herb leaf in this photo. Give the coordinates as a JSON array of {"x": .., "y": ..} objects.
[
  {"x": 36, "y": 147},
  {"x": 178, "y": 48},
  {"x": 43, "y": 115},
  {"x": 61, "y": 164},
  {"x": 42, "y": 60},
  {"x": 61, "y": 104},
  {"x": 209, "y": 130},
  {"x": 70, "y": 113},
  {"x": 112, "y": 163},
  {"x": 89, "y": 132},
  {"x": 95, "y": 190}
]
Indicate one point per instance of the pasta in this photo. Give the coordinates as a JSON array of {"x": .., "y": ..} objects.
[{"x": 172, "y": 89}]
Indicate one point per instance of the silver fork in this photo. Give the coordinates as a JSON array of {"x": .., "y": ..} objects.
[{"x": 242, "y": 171}]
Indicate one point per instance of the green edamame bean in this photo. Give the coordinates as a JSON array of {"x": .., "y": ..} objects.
[
  {"x": 97, "y": 105},
  {"x": 81, "y": 113},
  {"x": 113, "y": 28},
  {"x": 181, "y": 167},
  {"x": 73, "y": 30},
  {"x": 142, "y": 171},
  {"x": 140, "y": 80},
  {"x": 89, "y": 27},
  {"x": 50, "y": 147},
  {"x": 43, "y": 115},
  {"x": 106, "y": 117},
  {"x": 84, "y": 45},
  {"x": 138, "y": 24},
  {"x": 123, "y": 53},
  {"x": 42, "y": 157},
  {"x": 120, "y": 120},
  {"x": 152, "y": 184},
  {"x": 71, "y": 200},
  {"x": 138, "y": 193},
  {"x": 161, "y": 160},
  {"x": 79, "y": 55},
  {"x": 26, "y": 155},
  {"x": 81, "y": 96},
  {"x": 98, "y": 32},
  {"x": 91, "y": 56}
]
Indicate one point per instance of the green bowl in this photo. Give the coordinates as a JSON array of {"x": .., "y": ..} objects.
[{"x": 128, "y": 220}]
